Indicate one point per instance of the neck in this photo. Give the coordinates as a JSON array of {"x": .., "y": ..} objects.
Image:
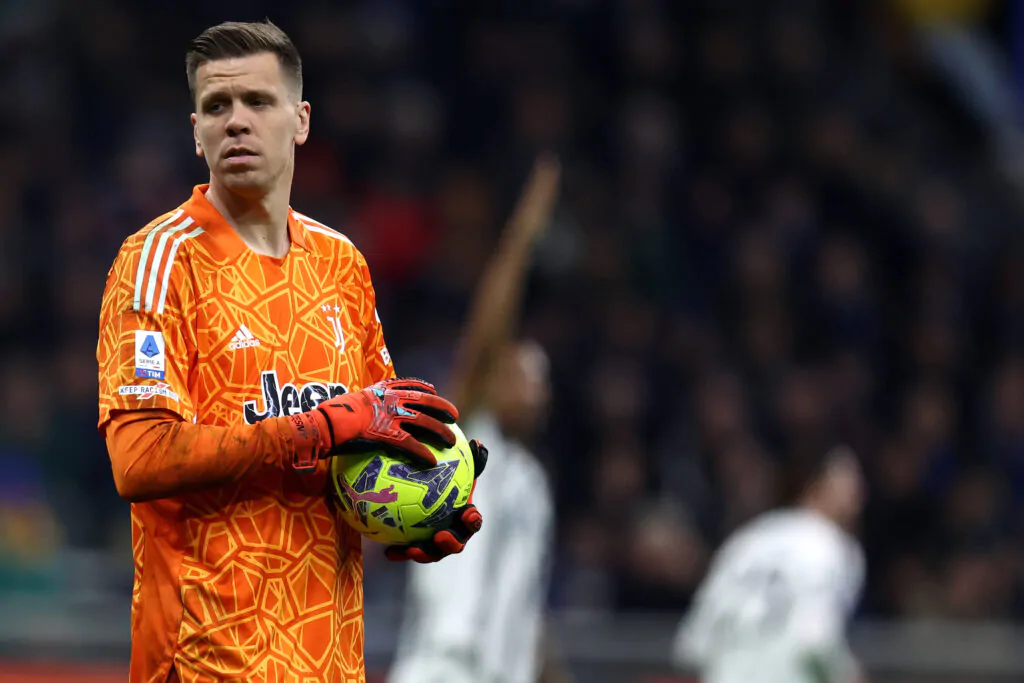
[
  {"x": 822, "y": 509},
  {"x": 261, "y": 220}
]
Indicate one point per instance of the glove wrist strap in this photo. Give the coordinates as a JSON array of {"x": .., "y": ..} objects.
[{"x": 307, "y": 434}]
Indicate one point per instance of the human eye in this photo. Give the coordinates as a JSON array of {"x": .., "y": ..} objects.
[{"x": 260, "y": 100}]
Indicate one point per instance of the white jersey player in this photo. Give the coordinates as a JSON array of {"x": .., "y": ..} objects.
[
  {"x": 478, "y": 616},
  {"x": 777, "y": 598}
]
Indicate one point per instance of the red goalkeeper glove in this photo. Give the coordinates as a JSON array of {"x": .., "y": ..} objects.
[
  {"x": 453, "y": 534},
  {"x": 401, "y": 414}
]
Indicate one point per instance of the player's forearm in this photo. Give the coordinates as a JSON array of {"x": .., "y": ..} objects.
[
  {"x": 498, "y": 298},
  {"x": 493, "y": 312},
  {"x": 156, "y": 455}
]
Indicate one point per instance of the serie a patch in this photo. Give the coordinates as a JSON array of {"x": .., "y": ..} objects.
[{"x": 150, "y": 356}]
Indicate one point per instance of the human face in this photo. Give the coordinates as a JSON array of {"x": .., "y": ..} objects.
[
  {"x": 247, "y": 122},
  {"x": 522, "y": 389},
  {"x": 843, "y": 487}
]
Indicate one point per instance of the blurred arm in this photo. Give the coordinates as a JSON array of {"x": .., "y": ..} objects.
[
  {"x": 828, "y": 658},
  {"x": 497, "y": 299},
  {"x": 820, "y": 616},
  {"x": 692, "y": 644},
  {"x": 154, "y": 454}
]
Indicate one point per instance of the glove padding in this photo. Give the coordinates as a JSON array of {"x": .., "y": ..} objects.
[
  {"x": 453, "y": 534},
  {"x": 399, "y": 414}
]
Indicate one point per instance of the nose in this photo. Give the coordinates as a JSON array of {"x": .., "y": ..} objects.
[{"x": 237, "y": 124}]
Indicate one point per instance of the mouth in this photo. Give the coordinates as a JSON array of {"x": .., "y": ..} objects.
[{"x": 240, "y": 154}]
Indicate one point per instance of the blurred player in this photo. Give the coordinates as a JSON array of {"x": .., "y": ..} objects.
[
  {"x": 478, "y": 618},
  {"x": 775, "y": 603},
  {"x": 239, "y": 347}
]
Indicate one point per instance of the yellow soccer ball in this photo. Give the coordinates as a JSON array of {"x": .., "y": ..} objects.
[{"x": 393, "y": 500}]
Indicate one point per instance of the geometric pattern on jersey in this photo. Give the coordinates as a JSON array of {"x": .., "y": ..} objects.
[{"x": 260, "y": 580}]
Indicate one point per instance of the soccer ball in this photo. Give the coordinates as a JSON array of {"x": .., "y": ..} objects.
[{"x": 392, "y": 500}]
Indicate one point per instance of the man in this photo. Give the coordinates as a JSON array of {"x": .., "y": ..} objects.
[
  {"x": 488, "y": 629},
  {"x": 239, "y": 348},
  {"x": 774, "y": 605}
]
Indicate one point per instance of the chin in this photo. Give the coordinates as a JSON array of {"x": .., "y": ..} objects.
[{"x": 248, "y": 182}]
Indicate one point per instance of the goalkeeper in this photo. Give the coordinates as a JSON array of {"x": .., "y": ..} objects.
[{"x": 239, "y": 346}]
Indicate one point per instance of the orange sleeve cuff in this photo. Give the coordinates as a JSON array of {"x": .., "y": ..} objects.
[{"x": 154, "y": 454}]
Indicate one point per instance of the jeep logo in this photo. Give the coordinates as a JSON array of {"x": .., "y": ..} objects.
[{"x": 289, "y": 399}]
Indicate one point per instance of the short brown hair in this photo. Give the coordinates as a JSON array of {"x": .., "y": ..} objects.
[{"x": 240, "y": 39}]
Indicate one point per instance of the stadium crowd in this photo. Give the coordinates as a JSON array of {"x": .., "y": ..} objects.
[{"x": 777, "y": 226}]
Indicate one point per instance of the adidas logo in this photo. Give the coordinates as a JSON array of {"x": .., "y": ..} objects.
[{"x": 243, "y": 339}]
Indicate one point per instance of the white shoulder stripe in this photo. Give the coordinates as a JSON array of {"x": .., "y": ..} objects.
[
  {"x": 140, "y": 273},
  {"x": 313, "y": 224},
  {"x": 157, "y": 256},
  {"x": 326, "y": 231},
  {"x": 170, "y": 262},
  {"x": 307, "y": 220}
]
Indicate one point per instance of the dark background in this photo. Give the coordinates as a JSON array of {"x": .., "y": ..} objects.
[{"x": 779, "y": 221}]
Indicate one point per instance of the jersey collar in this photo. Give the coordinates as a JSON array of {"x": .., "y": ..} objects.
[{"x": 222, "y": 237}]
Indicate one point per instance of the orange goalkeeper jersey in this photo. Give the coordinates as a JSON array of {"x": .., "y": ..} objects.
[{"x": 258, "y": 580}]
